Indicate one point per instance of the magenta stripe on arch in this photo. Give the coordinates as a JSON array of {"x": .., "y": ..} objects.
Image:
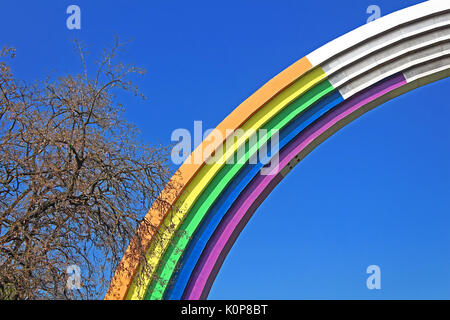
[{"x": 236, "y": 218}]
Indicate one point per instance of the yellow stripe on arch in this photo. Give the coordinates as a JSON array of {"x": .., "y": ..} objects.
[
  {"x": 207, "y": 173},
  {"x": 128, "y": 266}
]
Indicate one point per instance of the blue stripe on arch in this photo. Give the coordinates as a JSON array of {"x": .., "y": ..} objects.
[{"x": 195, "y": 247}]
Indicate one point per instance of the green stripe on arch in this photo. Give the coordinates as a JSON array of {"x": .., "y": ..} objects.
[{"x": 219, "y": 183}]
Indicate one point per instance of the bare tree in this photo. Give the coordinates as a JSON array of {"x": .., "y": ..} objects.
[{"x": 75, "y": 180}]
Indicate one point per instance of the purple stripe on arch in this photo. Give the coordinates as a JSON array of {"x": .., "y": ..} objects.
[{"x": 238, "y": 215}]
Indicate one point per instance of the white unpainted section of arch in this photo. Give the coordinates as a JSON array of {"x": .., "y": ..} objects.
[
  {"x": 390, "y": 53},
  {"x": 386, "y": 39},
  {"x": 399, "y": 42},
  {"x": 431, "y": 67},
  {"x": 376, "y": 27},
  {"x": 400, "y": 64}
]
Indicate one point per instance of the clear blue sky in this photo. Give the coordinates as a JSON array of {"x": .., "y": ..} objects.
[{"x": 391, "y": 207}]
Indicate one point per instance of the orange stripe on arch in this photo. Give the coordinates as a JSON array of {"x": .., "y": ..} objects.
[{"x": 130, "y": 262}]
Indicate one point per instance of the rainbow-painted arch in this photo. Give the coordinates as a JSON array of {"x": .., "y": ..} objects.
[{"x": 307, "y": 102}]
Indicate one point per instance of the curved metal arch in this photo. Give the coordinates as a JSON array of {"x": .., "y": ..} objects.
[{"x": 425, "y": 24}]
